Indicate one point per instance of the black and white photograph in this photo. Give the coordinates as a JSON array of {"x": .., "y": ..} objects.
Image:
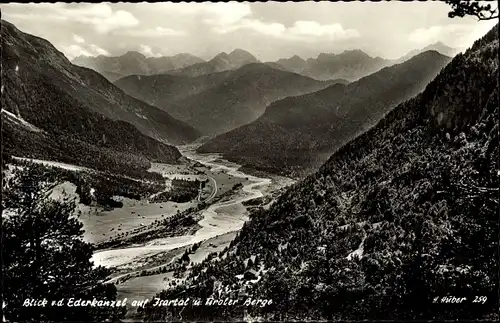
[{"x": 250, "y": 161}]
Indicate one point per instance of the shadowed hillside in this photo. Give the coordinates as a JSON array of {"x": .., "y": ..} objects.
[
  {"x": 297, "y": 134},
  {"x": 55, "y": 110},
  {"x": 219, "y": 102}
]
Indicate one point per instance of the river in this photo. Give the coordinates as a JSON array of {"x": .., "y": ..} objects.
[{"x": 218, "y": 219}]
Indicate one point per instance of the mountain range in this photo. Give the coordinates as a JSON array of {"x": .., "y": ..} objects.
[
  {"x": 219, "y": 102},
  {"x": 132, "y": 62},
  {"x": 299, "y": 133},
  {"x": 350, "y": 65},
  {"x": 59, "y": 111},
  {"x": 397, "y": 218},
  {"x": 221, "y": 62}
]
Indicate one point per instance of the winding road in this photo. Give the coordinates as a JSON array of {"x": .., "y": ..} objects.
[{"x": 214, "y": 191}]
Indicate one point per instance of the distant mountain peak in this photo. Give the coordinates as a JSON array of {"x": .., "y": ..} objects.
[
  {"x": 239, "y": 51},
  {"x": 133, "y": 54},
  {"x": 440, "y": 43},
  {"x": 82, "y": 56},
  {"x": 322, "y": 56},
  {"x": 242, "y": 54},
  {"x": 184, "y": 55},
  {"x": 439, "y": 46},
  {"x": 355, "y": 52},
  {"x": 236, "y": 58},
  {"x": 430, "y": 54},
  {"x": 222, "y": 55},
  {"x": 296, "y": 58},
  {"x": 293, "y": 62}
]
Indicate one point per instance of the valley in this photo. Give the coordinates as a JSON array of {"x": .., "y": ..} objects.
[
  {"x": 144, "y": 268},
  {"x": 356, "y": 179},
  {"x": 218, "y": 219}
]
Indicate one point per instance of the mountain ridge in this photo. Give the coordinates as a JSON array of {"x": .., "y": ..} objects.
[
  {"x": 325, "y": 65},
  {"x": 301, "y": 131},
  {"x": 218, "y": 102},
  {"x": 350, "y": 65},
  {"x": 78, "y": 112},
  {"x": 133, "y": 62},
  {"x": 219, "y": 63},
  {"x": 354, "y": 63}
]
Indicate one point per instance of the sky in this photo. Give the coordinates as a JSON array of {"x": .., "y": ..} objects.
[{"x": 268, "y": 30}]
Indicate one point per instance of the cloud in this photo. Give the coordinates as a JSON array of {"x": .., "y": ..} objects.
[
  {"x": 78, "y": 39},
  {"x": 225, "y": 18},
  {"x": 100, "y": 16},
  {"x": 226, "y": 13},
  {"x": 273, "y": 29},
  {"x": 426, "y": 35},
  {"x": 314, "y": 29},
  {"x": 153, "y": 32},
  {"x": 269, "y": 30},
  {"x": 72, "y": 51},
  {"x": 300, "y": 30},
  {"x": 210, "y": 13},
  {"x": 147, "y": 51},
  {"x": 454, "y": 34},
  {"x": 98, "y": 50}
]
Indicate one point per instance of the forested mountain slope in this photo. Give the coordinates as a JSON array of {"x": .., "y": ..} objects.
[
  {"x": 403, "y": 214},
  {"x": 54, "y": 110},
  {"x": 219, "y": 102},
  {"x": 297, "y": 134},
  {"x": 31, "y": 62}
]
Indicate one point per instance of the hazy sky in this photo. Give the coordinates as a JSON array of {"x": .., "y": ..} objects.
[{"x": 268, "y": 30}]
